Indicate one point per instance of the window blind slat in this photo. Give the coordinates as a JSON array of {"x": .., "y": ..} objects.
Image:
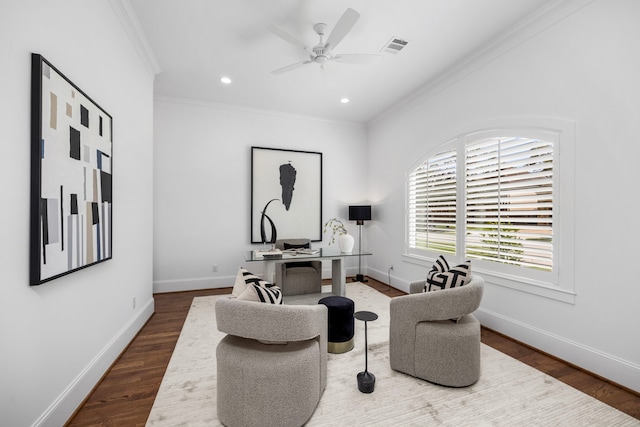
[
  {"x": 509, "y": 201},
  {"x": 432, "y": 204}
]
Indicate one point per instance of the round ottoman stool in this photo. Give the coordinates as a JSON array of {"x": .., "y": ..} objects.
[{"x": 340, "y": 337}]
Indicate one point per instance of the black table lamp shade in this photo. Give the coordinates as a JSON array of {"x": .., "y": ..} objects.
[{"x": 360, "y": 213}]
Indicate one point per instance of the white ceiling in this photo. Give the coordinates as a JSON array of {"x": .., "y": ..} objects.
[{"x": 195, "y": 42}]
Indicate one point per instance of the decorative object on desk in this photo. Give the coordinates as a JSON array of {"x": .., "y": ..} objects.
[
  {"x": 297, "y": 177},
  {"x": 71, "y": 176},
  {"x": 339, "y": 233},
  {"x": 337, "y": 229},
  {"x": 360, "y": 214},
  {"x": 273, "y": 253},
  {"x": 346, "y": 243},
  {"x": 366, "y": 380},
  {"x": 263, "y": 234}
]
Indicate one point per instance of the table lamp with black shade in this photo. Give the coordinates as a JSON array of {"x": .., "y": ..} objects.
[{"x": 360, "y": 214}]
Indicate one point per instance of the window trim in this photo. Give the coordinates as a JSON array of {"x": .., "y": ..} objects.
[{"x": 559, "y": 284}]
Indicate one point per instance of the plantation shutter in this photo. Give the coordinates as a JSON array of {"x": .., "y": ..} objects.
[
  {"x": 509, "y": 201},
  {"x": 432, "y": 204}
]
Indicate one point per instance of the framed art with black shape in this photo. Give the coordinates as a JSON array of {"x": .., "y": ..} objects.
[
  {"x": 286, "y": 185},
  {"x": 71, "y": 176}
]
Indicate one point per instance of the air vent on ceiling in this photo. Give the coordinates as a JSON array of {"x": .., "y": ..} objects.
[{"x": 394, "y": 45}]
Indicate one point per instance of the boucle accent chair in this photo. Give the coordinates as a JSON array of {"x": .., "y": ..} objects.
[
  {"x": 298, "y": 278},
  {"x": 272, "y": 365},
  {"x": 426, "y": 341}
]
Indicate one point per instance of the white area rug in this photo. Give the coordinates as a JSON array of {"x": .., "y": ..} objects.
[{"x": 509, "y": 393}]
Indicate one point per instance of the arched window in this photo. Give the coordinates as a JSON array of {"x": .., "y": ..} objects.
[{"x": 491, "y": 197}]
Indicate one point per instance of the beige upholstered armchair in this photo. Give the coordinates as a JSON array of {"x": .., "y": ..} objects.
[
  {"x": 272, "y": 365},
  {"x": 297, "y": 278},
  {"x": 434, "y": 336}
]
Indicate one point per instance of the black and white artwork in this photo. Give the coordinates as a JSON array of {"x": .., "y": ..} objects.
[
  {"x": 286, "y": 194},
  {"x": 71, "y": 176}
]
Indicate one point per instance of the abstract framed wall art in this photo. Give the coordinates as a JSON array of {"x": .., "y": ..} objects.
[
  {"x": 71, "y": 176},
  {"x": 286, "y": 186}
]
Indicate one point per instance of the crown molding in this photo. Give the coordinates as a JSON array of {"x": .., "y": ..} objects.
[
  {"x": 541, "y": 19},
  {"x": 254, "y": 111},
  {"x": 129, "y": 20}
]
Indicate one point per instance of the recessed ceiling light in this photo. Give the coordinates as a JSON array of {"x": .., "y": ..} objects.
[
  {"x": 226, "y": 80},
  {"x": 345, "y": 100}
]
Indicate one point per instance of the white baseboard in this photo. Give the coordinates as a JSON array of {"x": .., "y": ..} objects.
[
  {"x": 179, "y": 285},
  {"x": 605, "y": 365},
  {"x": 58, "y": 413},
  {"x": 384, "y": 277}
]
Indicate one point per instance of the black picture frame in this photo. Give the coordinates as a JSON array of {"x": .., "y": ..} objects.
[
  {"x": 294, "y": 179},
  {"x": 71, "y": 215}
]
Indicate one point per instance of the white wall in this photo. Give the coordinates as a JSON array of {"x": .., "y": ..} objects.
[
  {"x": 583, "y": 69},
  {"x": 203, "y": 190},
  {"x": 59, "y": 338}
]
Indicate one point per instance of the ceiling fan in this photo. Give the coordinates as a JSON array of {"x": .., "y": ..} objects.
[{"x": 322, "y": 52}]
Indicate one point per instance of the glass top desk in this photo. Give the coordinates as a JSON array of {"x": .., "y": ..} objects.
[{"x": 338, "y": 268}]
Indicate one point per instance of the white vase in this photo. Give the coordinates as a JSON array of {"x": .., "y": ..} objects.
[{"x": 346, "y": 242}]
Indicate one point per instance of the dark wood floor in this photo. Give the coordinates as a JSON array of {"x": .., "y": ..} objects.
[{"x": 125, "y": 395}]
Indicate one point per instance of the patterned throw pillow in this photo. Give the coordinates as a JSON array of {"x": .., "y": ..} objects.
[
  {"x": 269, "y": 294},
  {"x": 441, "y": 265},
  {"x": 442, "y": 276},
  {"x": 243, "y": 279}
]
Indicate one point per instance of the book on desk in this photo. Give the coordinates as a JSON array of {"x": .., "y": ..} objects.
[
  {"x": 301, "y": 251},
  {"x": 278, "y": 254},
  {"x": 269, "y": 254}
]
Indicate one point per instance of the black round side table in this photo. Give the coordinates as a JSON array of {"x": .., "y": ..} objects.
[{"x": 366, "y": 380}]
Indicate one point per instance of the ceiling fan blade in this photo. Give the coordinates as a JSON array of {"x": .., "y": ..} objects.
[
  {"x": 358, "y": 58},
  {"x": 290, "y": 67},
  {"x": 342, "y": 28},
  {"x": 286, "y": 36}
]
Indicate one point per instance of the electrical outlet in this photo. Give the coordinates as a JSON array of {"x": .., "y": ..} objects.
[
  {"x": 214, "y": 269},
  {"x": 134, "y": 303}
]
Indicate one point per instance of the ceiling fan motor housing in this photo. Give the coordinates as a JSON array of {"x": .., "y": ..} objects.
[{"x": 321, "y": 54}]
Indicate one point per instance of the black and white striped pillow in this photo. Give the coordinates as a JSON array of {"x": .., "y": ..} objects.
[
  {"x": 244, "y": 278},
  {"x": 269, "y": 294},
  {"x": 438, "y": 278},
  {"x": 441, "y": 265}
]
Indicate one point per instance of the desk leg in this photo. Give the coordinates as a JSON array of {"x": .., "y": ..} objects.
[
  {"x": 270, "y": 271},
  {"x": 338, "y": 277}
]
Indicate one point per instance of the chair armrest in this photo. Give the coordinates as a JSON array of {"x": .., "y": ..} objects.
[
  {"x": 440, "y": 305},
  {"x": 417, "y": 287},
  {"x": 269, "y": 322}
]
